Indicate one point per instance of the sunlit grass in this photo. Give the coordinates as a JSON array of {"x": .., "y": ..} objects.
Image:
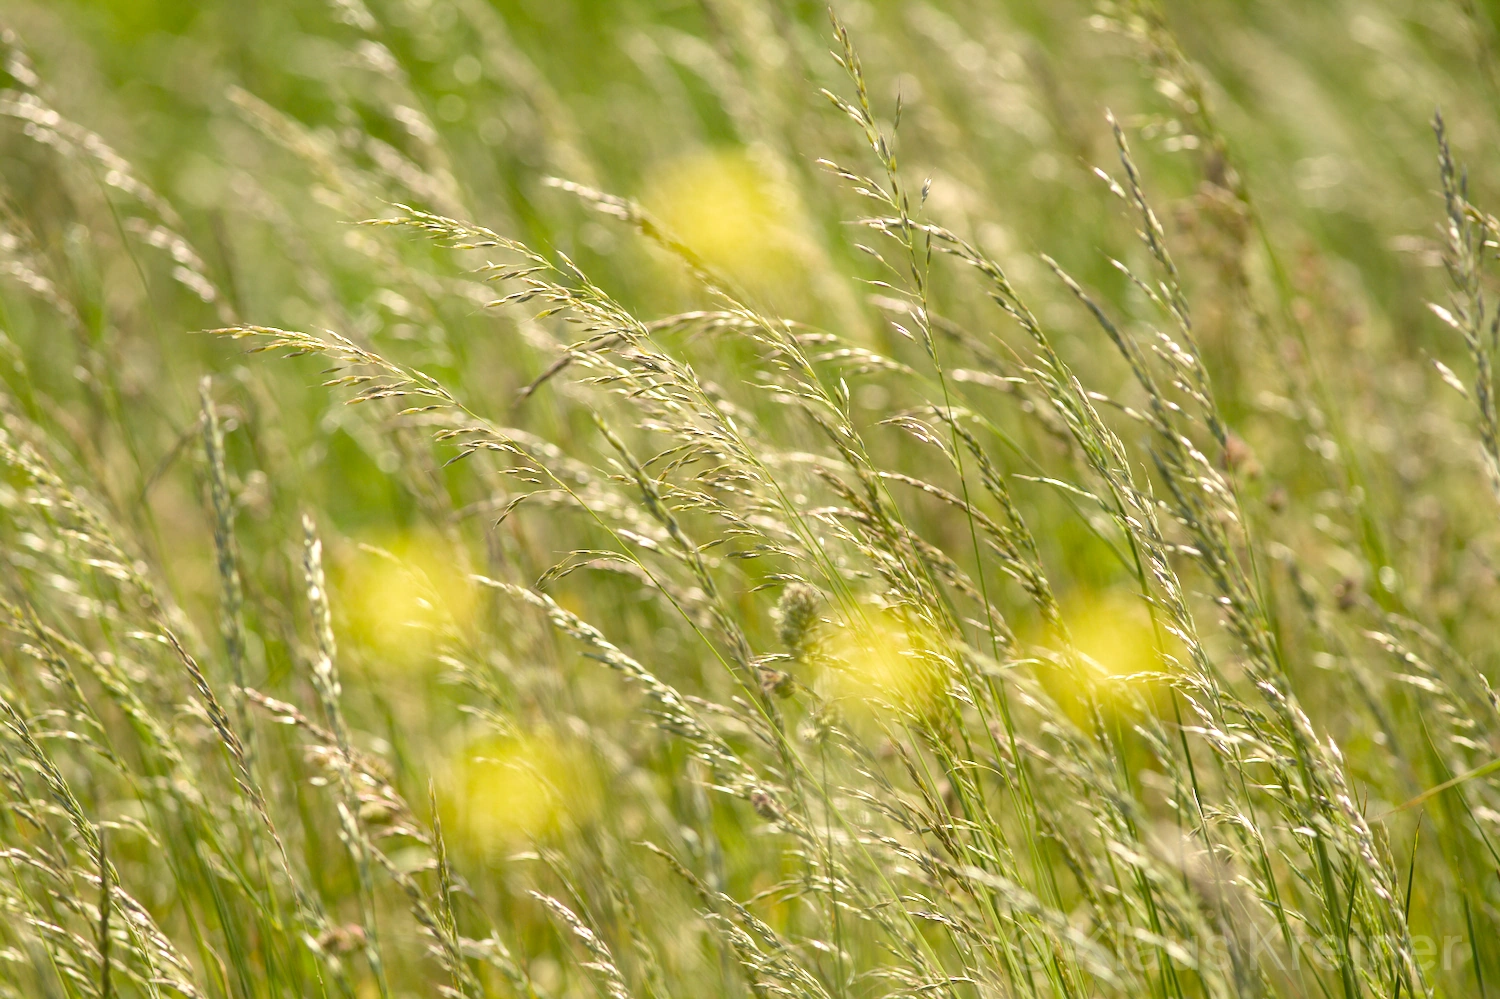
[{"x": 796, "y": 534}]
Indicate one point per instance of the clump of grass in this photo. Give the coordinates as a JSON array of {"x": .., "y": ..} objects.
[{"x": 973, "y": 622}]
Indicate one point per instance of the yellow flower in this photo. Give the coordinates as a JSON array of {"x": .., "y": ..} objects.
[
  {"x": 721, "y": 205},
  {"x": 508, "y": 791},
  {"x": 398, "y": 596},
  {"x": 879, "y": 660},
  {"x": 1113, "y": 631},
  {"x": 1112, "y": 634}
]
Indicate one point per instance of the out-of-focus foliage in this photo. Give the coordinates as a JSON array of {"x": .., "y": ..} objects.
[{"x": 957, "y": 499}]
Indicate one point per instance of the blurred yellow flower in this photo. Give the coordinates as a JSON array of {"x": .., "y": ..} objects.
[
  {"x": 1112, "y": 630},
  {"x": 507, "y": 791},
  {"x": 880, "y": 661},
  {"x": 721, "y": 205},
  {"x": 397, "y": 596}
]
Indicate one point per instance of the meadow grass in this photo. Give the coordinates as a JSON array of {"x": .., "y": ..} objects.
[{"x": 650, "y": 499}]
